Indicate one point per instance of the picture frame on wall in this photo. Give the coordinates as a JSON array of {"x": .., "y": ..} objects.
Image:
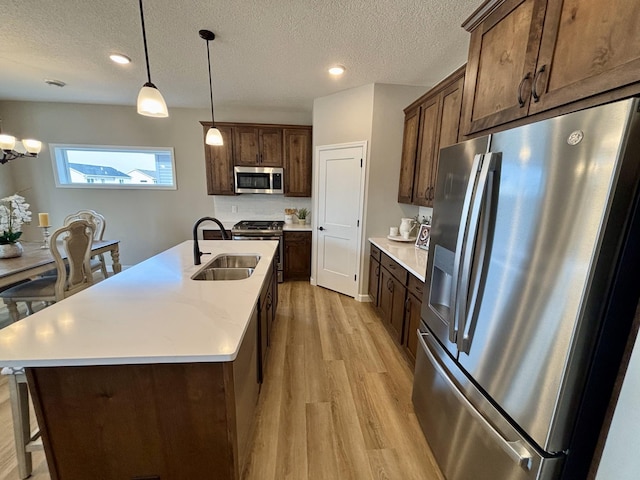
[{"x": 422, "y": 241}]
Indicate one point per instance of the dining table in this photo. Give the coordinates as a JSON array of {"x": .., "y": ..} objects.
[{"x": 36, "y": 260}]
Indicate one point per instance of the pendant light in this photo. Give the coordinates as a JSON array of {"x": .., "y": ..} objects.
[
  {"x": 150, "y": 101},
  {"x": 214, "y": 137}
]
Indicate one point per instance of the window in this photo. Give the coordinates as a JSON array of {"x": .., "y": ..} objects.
[{"x": 90, "y": 166}]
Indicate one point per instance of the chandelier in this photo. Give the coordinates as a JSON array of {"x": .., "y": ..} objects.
[{"x": 10, "y": 148}]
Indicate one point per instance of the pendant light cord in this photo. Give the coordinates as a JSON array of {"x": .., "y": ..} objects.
[
  {"x": 144, "y": 39},
  {"x": 213, "y": 123}
]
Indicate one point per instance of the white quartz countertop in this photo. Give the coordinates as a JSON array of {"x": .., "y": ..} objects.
[
  {"x": 150, "y": 313},
  {"x": 412, "y": 258},
  {"x": 296, "y": 227}
]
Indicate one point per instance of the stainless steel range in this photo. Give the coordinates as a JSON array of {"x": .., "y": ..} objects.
[{"x": 262, "y": 230}]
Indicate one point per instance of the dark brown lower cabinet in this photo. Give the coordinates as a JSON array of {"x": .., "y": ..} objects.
[
  {"x": 391, "y": 303},
  {"x": 374, "y": 274},
  {"x": 411, "y": 323},
  {"x": 155, "y": 421},
  {"x": 266, "y": 316},
  {"x": 211, "y": 235},
  {"x": 398, "y": 296},
  {"x": 374, "y": 279},
  {"x": 297, "y": 255}
]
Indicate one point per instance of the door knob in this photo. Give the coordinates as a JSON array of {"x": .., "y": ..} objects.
[{"x": 321, "y": 229}]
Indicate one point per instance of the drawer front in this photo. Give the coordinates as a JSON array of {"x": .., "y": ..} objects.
[
  {"x": 375, "y": 252},
  {"x": 394, "y": 268},
  {"x": 416, "y": 286},
  {"x": 211, "y": 235},
  {"x": 297, "y": 237}
]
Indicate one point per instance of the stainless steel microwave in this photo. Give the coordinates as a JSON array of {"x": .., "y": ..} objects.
[{"x": 258, "y": 179}]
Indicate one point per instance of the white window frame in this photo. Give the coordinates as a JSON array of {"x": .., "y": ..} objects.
[{"x": 58, "y": 159}]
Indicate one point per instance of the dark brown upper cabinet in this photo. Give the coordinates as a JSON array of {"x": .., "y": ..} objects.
[
  {"x": 297, "y": 162},
  {"x": 258, "y": 146},
  {"x": 552, "y": 56},
  {"x": 431, "y": 122},
  {"x": 219, "y": 162},
  {"x": 265, "y": 145}
]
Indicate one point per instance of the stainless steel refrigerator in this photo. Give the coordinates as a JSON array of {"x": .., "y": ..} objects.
[{"x": 530, "y": 288}]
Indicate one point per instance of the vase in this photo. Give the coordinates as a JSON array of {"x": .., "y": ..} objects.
[
  {"x": 406, "y": 225},
  {"x": 11, "y": 250},
  {"x": 288, "y": 219},
  {"x": 302, "y": 221}
]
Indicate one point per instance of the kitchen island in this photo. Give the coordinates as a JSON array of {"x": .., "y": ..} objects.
[{"x": 148, "y": 374}]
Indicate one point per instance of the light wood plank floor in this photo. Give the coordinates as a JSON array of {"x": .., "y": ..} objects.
[{"x": 336, "y": 403}]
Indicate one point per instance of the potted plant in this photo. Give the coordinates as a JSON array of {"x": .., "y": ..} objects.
[
  {"x": 302, "y": 215},
  {"x": 14, "y": 211}
]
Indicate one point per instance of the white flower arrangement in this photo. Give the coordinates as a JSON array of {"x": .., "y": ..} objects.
[{"x": 14, "y": 212}]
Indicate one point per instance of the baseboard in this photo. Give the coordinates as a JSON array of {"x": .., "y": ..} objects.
[{"x": 363, "y": 298}]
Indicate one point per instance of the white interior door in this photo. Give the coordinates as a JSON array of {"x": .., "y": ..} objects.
[{"x": 340, "y": 180}]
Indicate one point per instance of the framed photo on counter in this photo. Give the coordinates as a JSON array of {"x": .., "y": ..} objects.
[{"x": 422, "y": 241}]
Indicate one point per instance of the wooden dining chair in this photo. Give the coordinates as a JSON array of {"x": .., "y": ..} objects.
[
  {"x": 98, "y": 262},
  {"x": 27, "y": 439},
  {"x": 73, "y": 275}
]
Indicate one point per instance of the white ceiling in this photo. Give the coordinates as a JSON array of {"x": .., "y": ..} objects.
[{"x": 267, "y": 54}]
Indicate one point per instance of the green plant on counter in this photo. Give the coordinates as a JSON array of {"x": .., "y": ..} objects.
[{"x": 302, "y": 213}]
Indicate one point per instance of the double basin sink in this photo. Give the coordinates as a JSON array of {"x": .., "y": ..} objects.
[{"x": 228, "y": 267}]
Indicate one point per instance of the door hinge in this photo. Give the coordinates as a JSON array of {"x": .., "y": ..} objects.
[
  {"x": 360, "y": 163},
  {"x": 355, "y": 277},
  {"x": 357, "y": 223}
]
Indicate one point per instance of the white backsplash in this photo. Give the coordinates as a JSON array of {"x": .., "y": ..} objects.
[
  {"x": 248, "y": 206},
  {"x": 425, "y": 212}
]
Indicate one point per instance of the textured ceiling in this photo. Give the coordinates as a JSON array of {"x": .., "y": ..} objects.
[{"x": 267, "y": 54}]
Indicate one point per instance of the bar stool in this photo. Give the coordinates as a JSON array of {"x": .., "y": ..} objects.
[{"x": 26, "y": 440}]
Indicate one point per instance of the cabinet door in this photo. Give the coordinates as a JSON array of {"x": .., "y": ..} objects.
[
  {"x": 502, "y": 57},
  {"x": 374, "y": 279},
  {"x": 246, "y": 145},
  {"x": 219, "y": 163},
  {"x": 427, "y": 152},
  {"x": 409, "y": 150},
  {"x": 449, "y": 126},
  {"x": 270, "y": 154},
  {"x": 392, "y": 295},
  {"x": 412, "y": 323},
  {"x": 587, "y": 47},
  {"x": 297, "y": 162},
  {"x": 297, "y": 255}
]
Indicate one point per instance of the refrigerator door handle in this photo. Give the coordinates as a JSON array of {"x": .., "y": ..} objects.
[
  {"x": 514, "y": 449},
  {"x": 479, "y": 236},
  {"x": 460, "y": 243}
]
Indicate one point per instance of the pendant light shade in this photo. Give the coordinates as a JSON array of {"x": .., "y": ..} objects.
[
  {"x": 214, "y": 137},
  {"x": 151, "y": 103},
  {"x": 150, "y": 100}
]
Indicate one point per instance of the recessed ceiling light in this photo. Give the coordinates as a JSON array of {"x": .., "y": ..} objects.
[
  {"x": 119, "y": 58},
  {"x": 54, "y": 83},
  {"x": 337, "y": 70}
]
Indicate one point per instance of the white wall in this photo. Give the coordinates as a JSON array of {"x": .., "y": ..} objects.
[
  {"x": 146, "y": 222},
  {"x": 372, "y": 113}
]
